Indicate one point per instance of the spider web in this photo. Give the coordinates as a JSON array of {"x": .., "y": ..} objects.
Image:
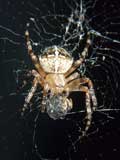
[{"x": 63, "y": 23}]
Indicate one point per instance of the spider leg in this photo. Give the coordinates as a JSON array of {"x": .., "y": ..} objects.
[
  {"x": 38, "y": 77},
  {"x": 92, "y": 92},
  {"x": 76, "y": 85},
  {"x": 83, "y": 55},
  {"x": 72, "y": 77},
  {"x": 34, "y": 58},
  {"x": 89, "y": 111},
  {"x": 88, "y": 118},
  {"x": 30, "y": 95}
]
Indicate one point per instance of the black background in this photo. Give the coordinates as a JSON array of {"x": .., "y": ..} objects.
[{"x": 52, "y": 137}]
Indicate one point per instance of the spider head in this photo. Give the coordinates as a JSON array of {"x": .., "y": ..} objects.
[
  {"x": 58, "y": 106},
  {"x": 55, "y": 60}
]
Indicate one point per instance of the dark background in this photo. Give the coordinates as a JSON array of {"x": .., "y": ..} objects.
[{"x": 55, "y": 139}]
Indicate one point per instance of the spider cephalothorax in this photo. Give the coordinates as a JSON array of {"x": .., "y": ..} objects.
[{"x": 56, "y": 74}]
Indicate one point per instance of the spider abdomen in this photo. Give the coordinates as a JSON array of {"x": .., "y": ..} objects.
[{"x": 55, "y": 60}]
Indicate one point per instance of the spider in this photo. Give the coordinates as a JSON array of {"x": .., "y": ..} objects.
[{"x": 55, "y": 71}]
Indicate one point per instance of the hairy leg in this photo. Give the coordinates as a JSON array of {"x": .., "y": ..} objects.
[
  {"x": 41, "y": 81},
  {"x": 30, "y": 95},
  {"x": 72, "y": 77},
  {"x": 34, "y": 58},
  {"x": 83, "y": 55},
  {"x": 88, "y": 118},
  {"x": 76, "y": 84},
  {"x": 92, "y": 93}
]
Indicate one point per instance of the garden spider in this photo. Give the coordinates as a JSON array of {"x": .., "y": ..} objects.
[{"x": 55, "y": 73}]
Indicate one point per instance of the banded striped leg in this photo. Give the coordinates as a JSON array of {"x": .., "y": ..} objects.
[
  {"x": 82, "y": 57},
  {"x": 34, "y": 58},
  {"x": 91, "y": 90},
  {"x": 76, "y": 85},
  {"x": 30, "y": 95},
  {"x": 88, "y": 118},
  {"x": 89, "y": 112},
  {"x": 92, "y": 94}
]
